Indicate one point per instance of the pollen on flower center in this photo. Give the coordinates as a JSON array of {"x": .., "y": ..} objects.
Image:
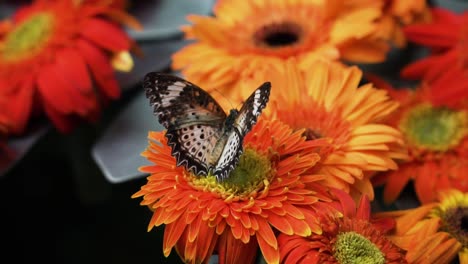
[
  {"x": 351, "y": 247},
  {"x": 250, "y": 173},
  {"x": 278, "y": 35},
  {"x": 434, "y": 128},
  {"x": 248, "y": 177},
  {"x": 28, "y": 38}
]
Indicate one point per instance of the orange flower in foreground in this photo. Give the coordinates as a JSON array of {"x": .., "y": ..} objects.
[
  {"x": 437, "y": 139},
  {"x": 327, "y": 102},
  {"x": 447, "y": 66},
  {"x": 227, "y": 48},
  {"x": 265, "y": 194},
  {"x": 433, "y": 233},
  {"x": 56, "y": 57},
  {"x": 353, "y": 237}
]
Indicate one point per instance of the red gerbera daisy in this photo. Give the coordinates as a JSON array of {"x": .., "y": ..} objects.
[
  {"x": 353, "y": 237},
  {"x": 437, "y": 140},
  {"x": 56, "y": 57},
  {"x": 447, "y": 66}
]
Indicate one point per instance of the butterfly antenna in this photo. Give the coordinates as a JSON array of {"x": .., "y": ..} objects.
[{"x": 224, "y": 97}]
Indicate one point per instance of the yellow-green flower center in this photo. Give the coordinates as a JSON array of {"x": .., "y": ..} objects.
[
  {"x": 28, "y": 38},
  {"x": 434, "y": 128},
  {"x": 353, "y": 248},
  {"x": 248, "y": 176}
]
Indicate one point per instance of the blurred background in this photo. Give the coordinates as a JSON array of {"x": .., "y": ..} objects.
[{"x": 65, "y": 198}]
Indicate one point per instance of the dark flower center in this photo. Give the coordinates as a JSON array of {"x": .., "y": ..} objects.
[
  {"x": 311, "y": 134},
  {"x": 278, "y": 35},
  {"x": 455, "y": 222},
  {"x": 464, "y": 223}
]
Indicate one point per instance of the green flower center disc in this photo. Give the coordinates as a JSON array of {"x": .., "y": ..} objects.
[
  {"x": 436, "y": 129},
  {"x": 353, "y": 248},
  {"x": 28, "y": 38},
  {"x": 250, "y": 173}
]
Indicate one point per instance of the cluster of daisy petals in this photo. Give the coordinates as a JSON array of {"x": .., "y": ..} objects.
[
  {"x": 58, "y": 60},
  {"x": 328, "y": 137}
]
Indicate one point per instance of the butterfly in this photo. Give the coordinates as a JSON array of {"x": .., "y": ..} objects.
[{"x": 202, "y": 137}]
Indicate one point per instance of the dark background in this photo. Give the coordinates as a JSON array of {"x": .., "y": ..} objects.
[{"x": 56, "y": 206}]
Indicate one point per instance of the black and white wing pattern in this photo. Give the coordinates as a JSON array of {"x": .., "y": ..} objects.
[
  {"x": 245, "y": 118},
  {"x": 202, "y": 137}
]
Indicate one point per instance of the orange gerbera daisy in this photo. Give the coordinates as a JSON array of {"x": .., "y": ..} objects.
[
  {"x": 265, "y": 194},
  {"x": 353, "y": 237},
  {"x": 327, "y": 102},
  {"x": 227, "y": 49},
  {"x": 447, "y": 66},
  {"x": 55, "y": 57},
  {"x": 437, "y": 139},
  {"x": 389, "y": 27},
  {"x": 434, "y": 232}
]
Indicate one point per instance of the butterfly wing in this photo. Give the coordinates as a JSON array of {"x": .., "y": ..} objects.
[
  {"x": 246, "y": 118},
  {"x": 252, "y": 108},
  {"x": 193, "y": 119}
]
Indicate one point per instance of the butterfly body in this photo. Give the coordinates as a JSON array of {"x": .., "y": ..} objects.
[{"x": 202, "y": 137}]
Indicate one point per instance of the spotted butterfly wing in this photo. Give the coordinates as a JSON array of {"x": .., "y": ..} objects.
[
  {"x": 202, "y": 137},
  {"x": 244, "y": 119}
]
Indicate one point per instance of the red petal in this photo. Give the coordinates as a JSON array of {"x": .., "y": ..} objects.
[
  {"x": 348, "y": 207},
  {"x": 444, "y": 63},
  {"x": 51, "y": 88},
  {"x": 299, "y": 251},
  {"x": 105, "y": 34},
  {"x": 364, "y": 209},
  {"x": 450, "y": 89},
  {"x": 19, "y": 104},
  {"x": 63, "y": 123},
  {"x": 60, "y": 94},
  {"x": 270, "y": 254},
  {"x": 172, "y": 234},
  {"x": 100, "y": 68},
  {"x": 207, "y": 240},
  {"x": 435, "y": 36},
  {"x": 396, "y": 181},
  {"x": 425, "y": 182},
  {"x": 281, "y": 223},
  {"x": 73, "y": 66},
  {"x": 232, "y": 250},
  {"x": 416, "y": 70},
  {"x": 441, "y": 15}
]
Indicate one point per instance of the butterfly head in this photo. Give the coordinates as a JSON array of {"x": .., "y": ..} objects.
[{"x": 231, "y": 118}]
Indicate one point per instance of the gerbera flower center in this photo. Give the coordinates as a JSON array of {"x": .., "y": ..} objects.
[
  {"x": 252, "y": 173},
  {"x": 278, "y": 35},
  {"x": 455, "y": 222},
  {"x": 28, "y": 38},
  {"x": 311, "y": 134},
  {"x": 434, "y": 128},
  {"x": 351, "y": 248}
]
